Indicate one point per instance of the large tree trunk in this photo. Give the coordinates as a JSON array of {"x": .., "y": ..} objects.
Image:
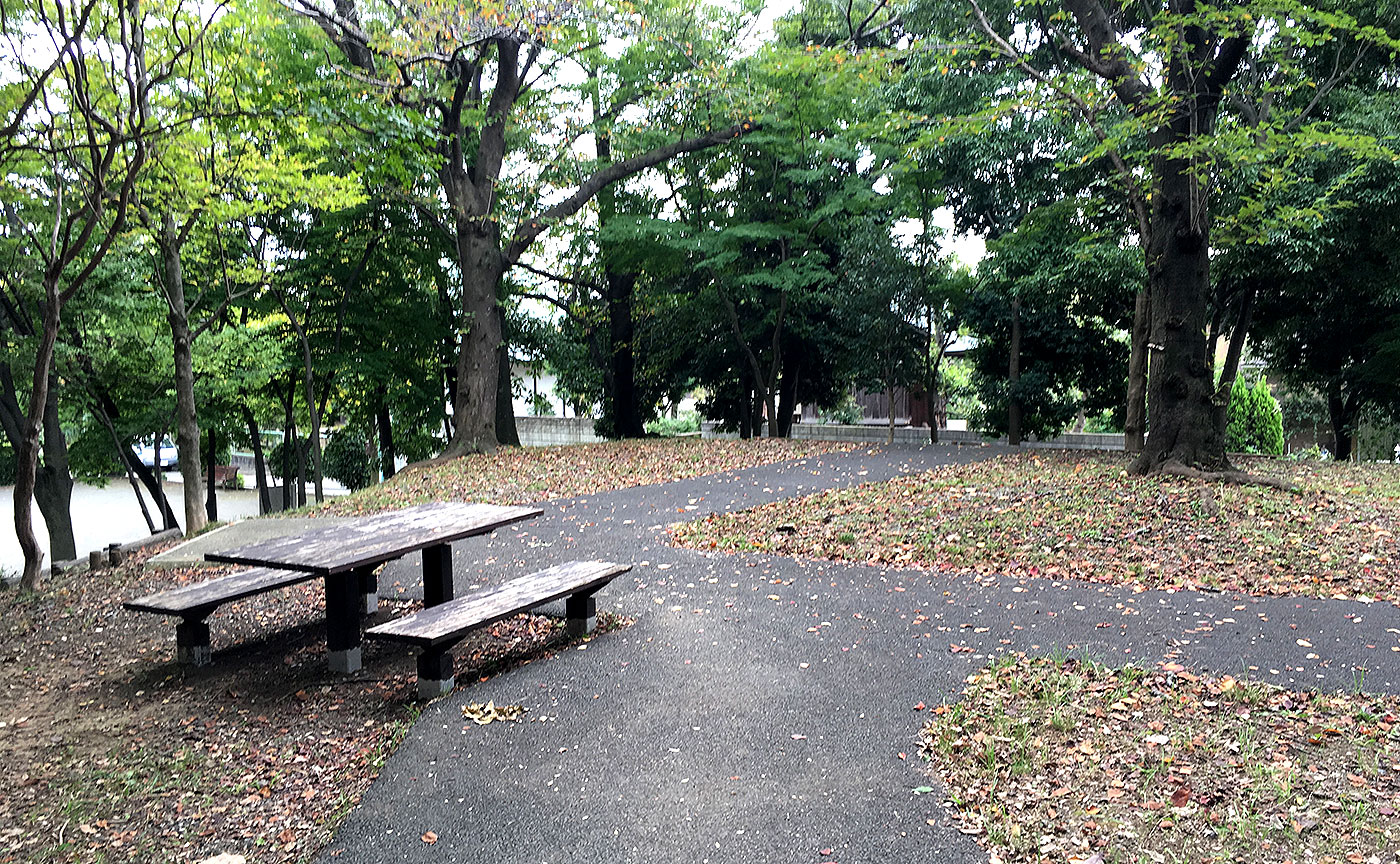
[
  {"x": 186, "y": 418},
  {"x": 474, "y": 409},
  {"x": 53, "y": 484},
  {"x": 27, "y": 447},
  {"x": 1013, "y": 376},
  {"x": 1135, "y": 422},
  {"x": 1187, "y": 427},
  {"x": 627, "y": 411},
  {"x": 506, "y": 433},
  {"x": 387, "y": 455},
  {"x": 619, "y": 285}
]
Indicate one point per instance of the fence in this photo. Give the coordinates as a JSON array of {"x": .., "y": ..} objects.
[{"x": 871, "y": 434}]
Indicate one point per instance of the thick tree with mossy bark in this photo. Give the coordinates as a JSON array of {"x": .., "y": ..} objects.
[
  {"x": 1162, "y": 76},
  {"x": 473, "y": 80}
]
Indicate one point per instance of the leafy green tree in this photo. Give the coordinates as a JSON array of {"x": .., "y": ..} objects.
[
  {"x": 473, "y": 83},
  {"x": 1327, "y": 314},
  {"x": 1158, "y": 76},
  {"x": 76, "y": 133},
  {"x": 1255, "y": 422},
  {"x": 1052, "y": 299}
]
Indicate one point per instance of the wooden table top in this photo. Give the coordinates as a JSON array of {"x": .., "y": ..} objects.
[{"x": 369, "y": 540}]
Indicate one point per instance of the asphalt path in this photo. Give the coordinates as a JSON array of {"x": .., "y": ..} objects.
[{"x": 762, "y": 709}]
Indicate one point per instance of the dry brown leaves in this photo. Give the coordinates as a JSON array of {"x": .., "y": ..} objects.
[
  {"x": 523, "y": 475},
  {"x": 115, "y": 753},
  {"x": 1079, "y": 516},
  {"x": 1054, "y": 759}
]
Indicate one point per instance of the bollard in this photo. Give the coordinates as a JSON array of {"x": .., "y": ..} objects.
[
  {"x": 96, "y": 559},
  {"x": 115, "y": 555}
]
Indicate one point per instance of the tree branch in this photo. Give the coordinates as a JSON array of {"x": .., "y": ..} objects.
[{"x": 532, "y": 228}]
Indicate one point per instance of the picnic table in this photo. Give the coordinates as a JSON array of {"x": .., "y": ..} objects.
[{"x": 345, "y": 555}]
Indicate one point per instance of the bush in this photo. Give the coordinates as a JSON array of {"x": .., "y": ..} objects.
[
  {"x": 847, "y": 412},
  {"x": 346, "y": 459},
  {"x": 7, "y": 465},
  {"x": 282, "y": 460},
  {"x": 1255, "y": 424},
  {"x": 667, "y": 427}
]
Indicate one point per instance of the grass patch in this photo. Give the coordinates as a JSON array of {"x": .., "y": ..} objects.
[
  {"x": 523, "y": 475},
  {"x": 1064, "y": 760},
  {"x": 1080, "y": 516}
]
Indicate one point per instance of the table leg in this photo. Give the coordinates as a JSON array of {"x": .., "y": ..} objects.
[
  {"x": 192, "y": 642},
  {"x": 581, "y": 614},
  {"x": 437, "y": 574},
  {"x": 369, "y": 590},
  {"x": 343, "y": 622}
]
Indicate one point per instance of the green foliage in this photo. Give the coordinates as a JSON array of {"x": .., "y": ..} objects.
[
  {"x": 282, "y": 462},
  {"x": 7, "y": 464},
  {"x": 347, "y": 459},
  {"x": 668, "y": 427},
  {"x": 960, "y": 389},
  {"x": 1074, "y": 288},
  {"x": 846, "y": 412},
  {"x": 1254, "y": 424}
]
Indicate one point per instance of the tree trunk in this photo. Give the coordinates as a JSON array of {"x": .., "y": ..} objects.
[
  {"x": 889, "y": 397},
  {"x": 211, "y": 503},
  {"x": 53, "y": 485},
  {"x": 287, "y": 470},
  {"x": 1135, "y": 423},
  {"x": 474, "y": 408},
  {"x": 619, "y": 286},
  {"x": 1013, "y": 377},
  {"x": 626, "y": 408},
  {"x": 506, "y": 433},
  {"x": 128, "y": 460},
  {"x": 1187, "y": 427},
  {"x": 308, "y": 382},
  {"x": 186, "y": 419},
  {"x": 259, "y": 461},
  {"x": 387, "y": 457},
  {"x": 787, "y": 397},
  {"x": 1342, "y": 415}
]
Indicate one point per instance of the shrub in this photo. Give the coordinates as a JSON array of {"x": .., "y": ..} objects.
[
  {"x": 346, "y": 459},
  {"x": 847, "y": 411},
  {"x": 667, "y": 427},
  {"x": 7, "y": 465},
  {"x": 1255, "y": 424},
  {"x": 282, "y": 460}
]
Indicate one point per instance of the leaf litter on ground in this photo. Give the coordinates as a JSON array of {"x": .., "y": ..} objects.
[
  {"x": 1063, "y": 515},
  {"x": 1065, "y": 760},
  {"x": 115, "y": 753},
  {"x": 524, "y": 475}
]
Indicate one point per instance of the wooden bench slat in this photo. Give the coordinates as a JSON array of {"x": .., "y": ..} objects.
[
  {"x": 201, "y": 596},
  {"x": 370, "y": 540},
  {"x": 449, "y": 621}
]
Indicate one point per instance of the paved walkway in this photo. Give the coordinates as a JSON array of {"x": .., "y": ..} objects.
[{"x": 722, "y": 727}]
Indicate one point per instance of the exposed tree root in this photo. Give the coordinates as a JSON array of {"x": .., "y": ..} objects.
[{"x": 1239, "y": 478}]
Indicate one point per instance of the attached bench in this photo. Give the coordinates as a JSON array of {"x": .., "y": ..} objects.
[
  {"x": 436, "y": 629},
  {"x": 194, "y": 603}
]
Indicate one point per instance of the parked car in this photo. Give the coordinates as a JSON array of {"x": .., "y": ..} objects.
[{"x": 169, "y": 458}]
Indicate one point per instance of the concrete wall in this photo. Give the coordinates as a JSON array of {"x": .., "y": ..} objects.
[
  {"x": 919, "y": 435},
  {"x": 547, "y": 431}
]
